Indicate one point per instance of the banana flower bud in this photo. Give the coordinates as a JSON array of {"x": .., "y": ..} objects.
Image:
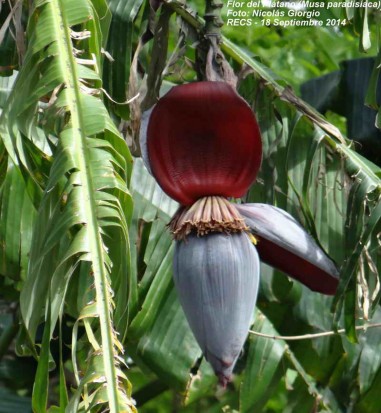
[
  {"x": 217, "y": 277},
  {"x": 202, "y": 143}
]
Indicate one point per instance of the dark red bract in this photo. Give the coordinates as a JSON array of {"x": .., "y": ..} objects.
[
  {"x": 203, "y": 139},
  {"x": 297, "y": 267}
]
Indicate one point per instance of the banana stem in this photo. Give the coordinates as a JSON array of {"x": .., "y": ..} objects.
[{"x": 213, "y": 20}]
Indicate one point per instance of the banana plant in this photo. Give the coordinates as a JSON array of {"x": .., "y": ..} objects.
[
  {"x": 75, "y": 167},
  {"x": 86, "y": 267}
]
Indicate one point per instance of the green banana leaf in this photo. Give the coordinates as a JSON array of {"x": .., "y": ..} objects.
[{"x": 93, "y": 268}]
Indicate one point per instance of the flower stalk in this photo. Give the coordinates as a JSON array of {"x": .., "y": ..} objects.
[
  {"x": 213, "y": 20},
  {"x": 211, "y": 64}
]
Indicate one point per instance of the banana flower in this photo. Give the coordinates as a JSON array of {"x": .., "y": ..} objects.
[{"x": 202, "y": 144}]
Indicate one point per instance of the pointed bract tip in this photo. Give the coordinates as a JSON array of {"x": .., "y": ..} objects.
[
  {"x": 223, "y": 380},
  {"x": 223, "y": 370}
]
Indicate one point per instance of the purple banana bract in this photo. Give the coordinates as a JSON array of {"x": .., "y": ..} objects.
[
  {"x": 217, "y": 277},
  {"x": 216, "y": 266}
]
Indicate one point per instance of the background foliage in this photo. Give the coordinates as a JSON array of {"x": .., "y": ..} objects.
[{"x": 87, "y": 300}]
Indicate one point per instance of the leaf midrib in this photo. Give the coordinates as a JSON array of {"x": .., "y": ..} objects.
[{"x": 71, "y": 81}]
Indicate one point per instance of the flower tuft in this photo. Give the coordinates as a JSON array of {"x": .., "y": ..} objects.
[{"x": 208, "y": 214}]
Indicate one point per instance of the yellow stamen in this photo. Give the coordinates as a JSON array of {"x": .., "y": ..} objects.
[{"x": 253, "y": 239}]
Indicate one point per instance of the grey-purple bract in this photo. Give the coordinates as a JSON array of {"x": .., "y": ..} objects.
[
  {"x": 284, "y": 244},
  {"x": 217, "y": 277}
]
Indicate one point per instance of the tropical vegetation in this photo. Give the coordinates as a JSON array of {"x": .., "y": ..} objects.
[{"x": 89, "y": 318}]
